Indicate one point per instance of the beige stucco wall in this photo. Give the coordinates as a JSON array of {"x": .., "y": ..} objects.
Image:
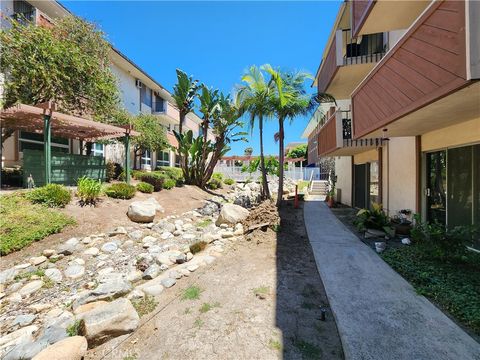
[
  {"x": 465, "y": 133},
  {"x": 8, "y": 152},
  {"x": 399, "y": 175},
  {"x": 366, "y": 156},
  {"x": 343, "y": 170}
]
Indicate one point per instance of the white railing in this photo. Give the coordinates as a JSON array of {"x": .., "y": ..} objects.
[{"x": 297, "y": 173}]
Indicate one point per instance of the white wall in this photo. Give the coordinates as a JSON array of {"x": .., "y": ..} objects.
[
  {"x": 394, "y": 36},
  {"x": 129, "y": 93},
  {"x": 343, "y": 170},
  {"x": 400, "y": 174}
]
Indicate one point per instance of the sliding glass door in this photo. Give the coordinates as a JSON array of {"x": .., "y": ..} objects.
[
  {"x": 453, "y": 186},
  {"x": 437, "y": 186}
]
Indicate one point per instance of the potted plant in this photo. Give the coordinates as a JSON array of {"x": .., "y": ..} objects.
[{"x": 331, "y": 198}]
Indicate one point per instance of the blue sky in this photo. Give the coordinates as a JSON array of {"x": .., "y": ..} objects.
[{"x": 216, "y": 41}]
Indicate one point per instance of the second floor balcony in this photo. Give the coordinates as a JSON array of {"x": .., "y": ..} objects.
[
  {"x": 348, "y": 61},
  {"x": 335, "y": 137}
]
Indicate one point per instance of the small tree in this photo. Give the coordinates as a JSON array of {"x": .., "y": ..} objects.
[
  {"x": 152, "y": 136},
  {"x": 184, "y": 93},
  {"x": 67, "y": 63},
  {"x": 297, "y": 152}
]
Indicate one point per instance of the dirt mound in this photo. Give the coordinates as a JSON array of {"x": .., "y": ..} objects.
[{"x": 264, "y": 215}]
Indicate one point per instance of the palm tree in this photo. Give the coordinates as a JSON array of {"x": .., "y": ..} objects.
[
  {"x": 255, "y": 98},
  {"x": 184, "y": 93},
  {"x": 290, "y": 100}
]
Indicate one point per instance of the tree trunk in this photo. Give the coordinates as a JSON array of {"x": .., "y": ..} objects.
[
  {"x": 281, "y": 160},
  {"x": 265, "y": 191},
  {"x": 182, "y": 119}
]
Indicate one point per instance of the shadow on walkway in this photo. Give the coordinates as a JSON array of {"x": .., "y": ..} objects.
[{"x": 300, "y": 295}]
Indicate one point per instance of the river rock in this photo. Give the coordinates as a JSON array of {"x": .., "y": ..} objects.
[
  {"x": 110, "y": 286},
  {"x": 109, "y": 247},
  {"x": 108, "y": 321},
  {"x": 54, "y": 274},
  {"x": 74, "y": 271},
  {"x": 48, "y": 252},
  {"x": 168, "y": 282},
  {"x": 31, "y": 287},
  {"x": 35, "y": 261}
]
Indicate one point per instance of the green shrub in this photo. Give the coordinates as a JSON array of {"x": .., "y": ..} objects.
[
  {"x": 373, "y": 219},
  {"x": 169, "y": 184},
  {"x": 437, "y": 241},
  {"x": 154, "y": 178},
  {"x": 214, "y": 184},
  {"x": 134, "y": 174},
  {"x": 145, "y": 187},
  {"x": 88, "y": 190},
  {"x": 114, "y": 171},
  {"x": 173, "y": 173},
  {"x": 121, "y": 191},
  {"x": 52, "y": 195},
  {"x": 217, "y": 176},
  {"x": 197, "y": 247},
  {"x": 22, "y": 222},
  {"x": 229, "y": 181}
]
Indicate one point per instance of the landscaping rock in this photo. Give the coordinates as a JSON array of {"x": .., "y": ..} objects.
[
  {"x": 87, "y": 307},
  {"x": 16, "y": 338},
  {"x": 164, "y": 258},
  {"x": 134, "y": 276},
  {"x": 243, "y": 201},
  {"x": 48, "y": 252},
  {"x": 136, "y": 235},
  {"x": 109, "y": 247},
  {"x": 209, "y": 208},
  {"x": 72, "y": 348},
  {"x": 141, "y": 211},
  {"x": 168, "y": 282},
  {"x": 8, "y": 275},
  {"x": 54, "y": 275},
  {"x": 153, "y": 290},
  {"x": 192, "y": 267},
  {"x": 231, "y": 214},
  {"x": 108, "y": 321},
  {"x": 166, "y": 235},
  {"x": 174, "y": 274},
  {"x": 23, "y": 320},
  {"x": 38, "y": 260},
  {"x": 93, "y": 251},
  {"x": 406, "y": 241},
  {"x": 74, "y": 271},
  {"x": 118, "y": 231},
  {"x": 151, "y": 272},
  {"x": 30, "y": 288},
  {"x": 111, "y": 286}
]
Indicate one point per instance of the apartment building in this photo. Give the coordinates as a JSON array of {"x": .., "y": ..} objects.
[
  {"x": 139, "y": 93},
  {"x": 407, "y": 131}
]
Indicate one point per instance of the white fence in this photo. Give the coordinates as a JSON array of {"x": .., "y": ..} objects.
[{"x": 294, "y": 173}]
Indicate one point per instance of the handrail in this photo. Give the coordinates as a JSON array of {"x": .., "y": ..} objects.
[{"x": 310, "y": 183}]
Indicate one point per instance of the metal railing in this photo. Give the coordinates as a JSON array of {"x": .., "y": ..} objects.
[
  {"x": 370, "y": 48},
  {"x": 346, "y": 125},
  {"x": 295, "y": 173}
]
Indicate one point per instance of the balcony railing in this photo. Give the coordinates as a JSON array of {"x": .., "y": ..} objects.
[
  {"x": 346, "y": 125},
  {"x": 365, "y": 49}
]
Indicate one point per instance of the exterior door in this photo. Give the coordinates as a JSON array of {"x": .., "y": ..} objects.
[
  {"x": 361, "y": 186},
  {"x": 436, "y": 186}
]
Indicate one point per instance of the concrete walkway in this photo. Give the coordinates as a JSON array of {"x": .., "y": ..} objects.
[{"x": 378, "y": 314}]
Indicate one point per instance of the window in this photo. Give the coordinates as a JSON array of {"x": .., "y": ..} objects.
[
  {"x": 146, "y": 95},
  {"x": 22, "y": 11},
  {"x": 163, "y": 158},
  {"x": 158, "y": 105},
  {"x": 177, "y": 160},
  {"x": 34, "y": 141},
  {"x": 98, "y": 149},
  {"x": 147, "y": 157}
]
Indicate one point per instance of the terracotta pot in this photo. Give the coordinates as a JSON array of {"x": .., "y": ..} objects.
[{"x": 330, "y": 202}]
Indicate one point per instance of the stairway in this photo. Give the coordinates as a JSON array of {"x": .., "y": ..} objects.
[{"x": 319, "y": 187}]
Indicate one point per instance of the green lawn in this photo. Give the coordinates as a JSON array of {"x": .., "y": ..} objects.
[
  {"x": 22, "y": 222},
  {"x": 453, "y": 286}
]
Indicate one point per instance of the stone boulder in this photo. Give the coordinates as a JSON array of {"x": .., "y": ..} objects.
[
  {"x": 231, "y": 214},
  {"x": 72, "y": 348},
  {"x": 144, "y": 211},
  {"x": 108, "y": 321}
]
